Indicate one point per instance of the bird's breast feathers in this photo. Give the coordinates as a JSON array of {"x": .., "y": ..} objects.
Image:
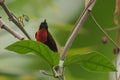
[{"x": 41, "y": 35}]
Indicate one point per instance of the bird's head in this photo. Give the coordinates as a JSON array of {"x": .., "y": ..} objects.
[{"x": 43, "y": 25}]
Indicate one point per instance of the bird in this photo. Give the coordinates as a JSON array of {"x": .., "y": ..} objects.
[{"x": 44, "y": 36}]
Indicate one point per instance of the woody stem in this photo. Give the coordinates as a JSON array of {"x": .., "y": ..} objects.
[
  {"x": 13, "y": 18},
  {"x": 81, "y": 20}
]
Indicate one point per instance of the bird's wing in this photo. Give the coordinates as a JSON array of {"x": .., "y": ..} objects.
[{"x": 51, "y": 43}]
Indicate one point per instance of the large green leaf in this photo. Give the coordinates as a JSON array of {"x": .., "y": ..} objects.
[
  {"x": 26, "y": 46},
  {"x": 97, "y": 62},
  {"x": 93, "y": 61}
]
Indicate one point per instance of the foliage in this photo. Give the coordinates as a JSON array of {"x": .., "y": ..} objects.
[
  {"x": 93, "y": 61},
  {"x": 26, "y": 46},
  {"x": 61, "y": 18}
]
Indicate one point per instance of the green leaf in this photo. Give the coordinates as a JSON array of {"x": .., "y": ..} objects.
[
  {"x": 93, "y": 61},
  {"x": 97, "y": 62},
  {"x": 26, "y": 46},
  {"x": 26, "y": 17},
  {"x": 72, "y": 59}
]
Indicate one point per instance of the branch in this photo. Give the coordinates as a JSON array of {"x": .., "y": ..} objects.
[
  {"x": 83, "y": 17},
  {"x": 45, "y": 73},
  {"x": 77, "y": 28},
  {"x": 13, "y": 18},
  {"x": 102, "y": 30},
  {"x": 7, "y": 28}
]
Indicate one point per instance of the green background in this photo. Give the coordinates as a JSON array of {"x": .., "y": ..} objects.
[{"x": 61, "y": 16}]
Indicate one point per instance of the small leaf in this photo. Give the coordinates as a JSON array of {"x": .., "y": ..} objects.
[
  {"x": 20, "y": 18},
  {"x": 96, "y": 62},
  {"x": 26, "y": 46},
  {"x": 26, "y": 18}
]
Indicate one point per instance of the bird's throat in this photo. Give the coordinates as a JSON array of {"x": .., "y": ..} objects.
[{"x": 42, "y": 35}]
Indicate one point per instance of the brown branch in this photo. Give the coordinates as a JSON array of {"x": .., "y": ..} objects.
[
  {"x": 13, "y": 18},
  {"x": 83, "y": 17},
  {"x": 117, "y": 49},
  {"x": 7, "y": 28},
  {"x": 77, "y": 27}
]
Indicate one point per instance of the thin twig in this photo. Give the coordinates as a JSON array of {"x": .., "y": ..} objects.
[
  {"x": 13, "y": 19},
  {"x": 57, "y": 73},
  {"x": 114, "y": 43},
  {"x": 116, "y": 22},
  {"x": 45, "y": 73},
  {"x": 116, "y": 54},
  {"x": 7, "y": 28},
  {"x": 102, "y": 30},
  {"x": 118, "y": 77},
  {"x": 113, "y": 28},
  {"x": 116, "y": 73}
]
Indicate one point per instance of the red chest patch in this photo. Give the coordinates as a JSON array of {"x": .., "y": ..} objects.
[{"x": 41, "y": 35}]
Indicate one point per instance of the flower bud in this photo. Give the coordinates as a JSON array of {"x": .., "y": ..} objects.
[
  {"x": 104, "y": 39},
  {"x": 116, "y": 50},
  {"x": 1, "y": 1}
]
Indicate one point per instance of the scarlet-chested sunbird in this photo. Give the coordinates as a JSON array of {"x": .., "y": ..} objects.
[{"x": 44, "y": 36}]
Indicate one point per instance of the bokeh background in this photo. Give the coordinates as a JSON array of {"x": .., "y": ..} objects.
[{"x": 61, "y": 16}]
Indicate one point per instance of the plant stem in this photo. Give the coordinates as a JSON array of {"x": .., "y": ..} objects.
[
  {"x": 13, "y": 19},
  {"x": 101, "y": 29},
  {"x": 116, "y": 57},
  {"x": 113, "y": 28},
  {"x": 118, "y": 36},
  {"x": 45, "y": 73},
  {"x": 81, "y": 20},
  {"x": 114, "y": 43},
  {"x": 77, "y": 28},
  {"x": 7, "y": 28}
]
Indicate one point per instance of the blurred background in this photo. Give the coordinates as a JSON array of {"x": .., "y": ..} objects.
[{"x": 61, "y": 16}]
